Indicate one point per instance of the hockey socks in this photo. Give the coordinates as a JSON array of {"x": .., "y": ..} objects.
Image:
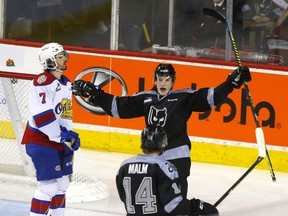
[
  {"x": 41, "y": 203},
  {"x": 57, "y": 206}
]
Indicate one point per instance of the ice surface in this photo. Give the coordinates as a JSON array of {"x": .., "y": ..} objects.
[{"x": 256, "y": 195}]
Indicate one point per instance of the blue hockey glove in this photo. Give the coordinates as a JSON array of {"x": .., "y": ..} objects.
[
  {"x": 75, "y": 144},
  {"x": 239, "y": 76},
  {"x": 70, "y": 139}
]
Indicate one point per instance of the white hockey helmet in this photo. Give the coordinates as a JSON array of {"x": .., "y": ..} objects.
[{"x": 47, "y": 55}]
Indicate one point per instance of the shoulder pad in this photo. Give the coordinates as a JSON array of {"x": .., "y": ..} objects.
[
  {"x": 186, "y": 90},
  {"x": 43, "y": 79},
  {"x": 151, "y": 92}
]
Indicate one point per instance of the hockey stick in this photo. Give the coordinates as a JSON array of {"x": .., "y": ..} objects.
[
  {"x": 259, "y": 159},
  {"x": 258, "y": 130},
  {"x": 261, "y": 156}
]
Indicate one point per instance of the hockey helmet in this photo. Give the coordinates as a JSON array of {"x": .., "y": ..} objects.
[
  {"x": 154, "y": 138},
  {"x": 165, "y": 70},
  {"x": 47, "y": 55}
]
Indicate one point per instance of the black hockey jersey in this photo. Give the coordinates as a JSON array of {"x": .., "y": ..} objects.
[
  {"x": 147, "y": 184},
  {"x": 171, "y": 111}
]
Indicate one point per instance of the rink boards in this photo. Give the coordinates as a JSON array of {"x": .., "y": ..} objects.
[{"x": 225, "y": 135}]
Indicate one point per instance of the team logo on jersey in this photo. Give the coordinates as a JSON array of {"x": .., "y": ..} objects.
[
  {"x": 171, "y": 168},
  {"x": 148, "y": 100},
  {"x": 41, "y": 79},
  {"x": 64, "y": 109},
  {"x": 176, "y": 188},
  {"x": 157, "y": 117},
  {"x": 69, "y": 163}
]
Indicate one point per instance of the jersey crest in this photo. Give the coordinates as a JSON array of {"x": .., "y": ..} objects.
[
  {"x": 64, "y": 109},
  {"x": 157, "y": 117}
]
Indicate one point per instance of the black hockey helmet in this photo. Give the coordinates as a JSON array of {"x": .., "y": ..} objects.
[
  {"x": 154, "y": 138},
  {"x": 165, "y": 70}
]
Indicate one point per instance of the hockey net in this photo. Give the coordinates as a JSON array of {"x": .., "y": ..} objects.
[{"x": 15, "y": 165}]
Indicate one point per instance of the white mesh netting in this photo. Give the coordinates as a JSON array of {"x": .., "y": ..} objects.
[{"x": 14, "y": 163}]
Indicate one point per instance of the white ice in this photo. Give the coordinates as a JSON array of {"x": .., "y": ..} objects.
[{"x": 256, "y": 195}]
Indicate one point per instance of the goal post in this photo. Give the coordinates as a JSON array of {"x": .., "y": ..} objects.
[
  {"x": 17, "y": 125},
  {"x": 15, "y": 165}
]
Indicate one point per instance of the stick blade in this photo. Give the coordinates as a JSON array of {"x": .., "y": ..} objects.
[
  {"x": 261, "y": 142},
  {"x": 214, "y": 13}
]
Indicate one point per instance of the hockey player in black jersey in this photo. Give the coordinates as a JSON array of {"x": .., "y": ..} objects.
[
  {"x": 163, "y": 106},
  {"x": 148, "y": 184}
]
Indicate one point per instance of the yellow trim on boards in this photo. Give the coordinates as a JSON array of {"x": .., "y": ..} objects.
[{"x": 201, "y": 152}]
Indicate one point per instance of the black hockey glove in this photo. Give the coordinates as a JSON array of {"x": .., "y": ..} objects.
[
  {"x": 86, "y": 89},
  {"x": 200, "y": 208},
  {"x": 239, "y": 76}
]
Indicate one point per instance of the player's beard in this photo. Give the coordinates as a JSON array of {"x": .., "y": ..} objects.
[{"x": 63, "y": 68}]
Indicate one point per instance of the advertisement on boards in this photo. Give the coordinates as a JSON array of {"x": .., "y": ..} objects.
[
  {"x": 233, "y": 120},
  {"x": 218, "y": 135}
]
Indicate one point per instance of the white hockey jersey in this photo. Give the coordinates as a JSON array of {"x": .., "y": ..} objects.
[{"x": 50, "y": 107}]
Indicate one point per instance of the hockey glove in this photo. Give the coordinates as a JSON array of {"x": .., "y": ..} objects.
[
  {"x": 86, "y": 89},
  {"x": 200, "y": 208},
  {"x": 239, "y": 76},
  {"x": 70, "y": 139}
]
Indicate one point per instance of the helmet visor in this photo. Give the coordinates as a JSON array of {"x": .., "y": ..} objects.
[
  {"x": 163, "y": 77},
  {"x": 63, "y": 53}
]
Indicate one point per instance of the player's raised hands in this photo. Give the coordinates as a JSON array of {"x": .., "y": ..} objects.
[
  {"x": 85, "y": 89},
  {"x": 239, "y": 76},
  {"x": 82, "y": 88}
]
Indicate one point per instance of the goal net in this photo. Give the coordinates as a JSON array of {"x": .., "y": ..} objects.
[{"x": 15, "y": 165}]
